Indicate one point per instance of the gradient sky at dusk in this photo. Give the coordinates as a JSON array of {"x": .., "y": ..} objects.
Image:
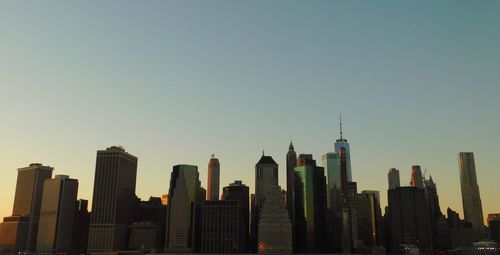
[{"x": 173, "y": 82}]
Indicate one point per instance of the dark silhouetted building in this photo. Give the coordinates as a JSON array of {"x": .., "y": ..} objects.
[
  {"x": 310, "y": 206},
  {"x": 471, "y": 200},
  {"x": 393, "y": 178},
  {"x": 145, "y": 236},
  {"x": 213, "y": 179},
  {"x": 81, "y": 223},
  {"x": 221, "y": 227},
  {"x": 19, "y": 232},
  {"x": 417, "y": 181},
  {"x": 183, "y": 219},
  {"x": 494, "y": 226},
  {"x": 113, "y": 200},
  {"x": 409, "y": 219},
  {"x": 57, "y": 215},
  {"x": 238, "y": 191}
]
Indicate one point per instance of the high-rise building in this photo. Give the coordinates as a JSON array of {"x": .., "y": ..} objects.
[
  {"x": 291, "y": 163},
  {"x": 113, "y": 200},
  {"x": 377, "y": 228},
  {"x": 221, "y": 227},
  {"x": 331, "y": 164},
  {"x": 409, "y": 219},
  {"x": 393, "y": 178},
  {"x": 57, "y": 215},
  {"x": 238, "y": 191},
  {"x": 19, "y": 232},
  {"x": 266, "y": 177},
  {"x": 494, "y": 226},
  {"x": 81, "y": 222},
  {"x": 440, "y": 230},
  {"x": 342, "y": 143},
  {"x": 213, "y": 179},
  {"x": 275, "y": 229},
  {"x": 417, "y": 181},
  {"x": 310, "y": 208},
  {"x": 471, "y": 200},
  {"x": 183, "y": 217}
]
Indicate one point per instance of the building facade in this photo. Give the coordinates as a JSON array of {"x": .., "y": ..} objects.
[
  {"x": 291, "y": 163},
  {"x": 221, "y": 227},
  {"x": 238, "y": 191},
  {"x": 114, "y": 193},
  {"x": 417, "y": 181}
]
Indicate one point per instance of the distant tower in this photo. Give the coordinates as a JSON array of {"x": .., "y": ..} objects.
[
  {"x": 416, "y": 177},
  {"x": 393, "y": 177},
  {"x": 471, "y": 200},
  {"x": 213, "y": 179},
  {"x": 113, "y": 200},
  {"x": 342, "y": 143},
  {"x": 57, "y": 215},
  {"x": 291, "y": 163},
  {"x": 19, "y": 232}
]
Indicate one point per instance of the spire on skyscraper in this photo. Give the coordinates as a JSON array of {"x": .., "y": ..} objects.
[
  {"x": 290, "y": 148},
  {"x": 340, "y": 114}
]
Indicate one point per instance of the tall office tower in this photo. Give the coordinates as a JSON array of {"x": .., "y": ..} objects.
[
  {"x": 81, "y": 222},
  {"x": 291, "y": 163},
  {"x": 393, "y": 178},
  {"x": 310, "y": 209},
  {"x": 238, "y": 191},
  {"x": 183, "y": 209},
  {"x": 266, "y": 177},
  {"x": 57, "y": 215},
  {"x": 213, "y": 178},
  {"x": 409, "y": 219},
  {"x": 221, "y": 230},
  {"x": 342, "y": 143},
  {"x": 275, "y": 229},
  {"x": 378, "y": 234},
  {"x": 417, "y": 181},
  {"x": 347, "y": 217},
  {"x": 494, "y": 225},
  {"x": 19, "y": 232},
  {"x": 331, "y": 164},
  {"x": 365, "y": 206},
  {"x": 113, "y": 200},
  {"x": 471, "y": 200}
]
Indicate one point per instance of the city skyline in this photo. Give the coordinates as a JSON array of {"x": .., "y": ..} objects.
[{"x": 174, "y": 82}]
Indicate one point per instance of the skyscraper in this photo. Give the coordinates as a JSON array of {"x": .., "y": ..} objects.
[
  {"x": 113, "y": 200},
  {"x": 291, "y": 163},
  {"x": 221, "y": 227},
  {"x": 266, "y": 177},
  {"x": 213, "y": 179},
  {"x": 183, "y": 209},
  {"x": 57, "y": 215},
  {"x": 20, "y": 231},
  {"x": 310, "y": 208},
  {"x": 409, "y": 218},
  {"x": 471, "y": 200},
  {"x": 238, "y": 191},
  {"x": 417, "y": 181},
  {"x": 342, "y": 143},
  {"x": 393, "y": 178}
]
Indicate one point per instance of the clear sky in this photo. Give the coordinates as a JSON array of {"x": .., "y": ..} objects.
[{"x": 173, "y": 82}]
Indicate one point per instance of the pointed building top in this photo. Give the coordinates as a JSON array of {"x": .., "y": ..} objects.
[
  {"x": 290, "y": 148},
  {"x": 213, "y": 155},
  {"x": 262, "y": 152}
]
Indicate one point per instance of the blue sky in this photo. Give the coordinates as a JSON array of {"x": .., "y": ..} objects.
[{"x": 175, "y": 81}]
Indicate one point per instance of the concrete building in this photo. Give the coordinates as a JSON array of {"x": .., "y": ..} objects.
[
  {"x": 113, "y": 200},
  {"x": 57, "y": 215},
  {"x": 275, "y": 229},
  {"x": 409, "y": 220},
  {"x": 471, "y": 199},
  {"x": 221, "y": 227},
  {"x": 183, "y": 209},
  {"x": 19, "y": 232},
  {"x": 213, "y": 179},
  {"x": 393, "y": 178},
  {"x": 417, "y": 181}
]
